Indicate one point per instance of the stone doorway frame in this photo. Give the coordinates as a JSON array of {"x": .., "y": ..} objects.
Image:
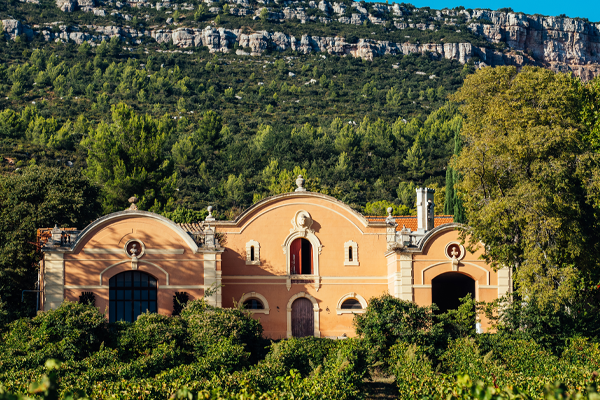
[{"x": 315, "y": 304}]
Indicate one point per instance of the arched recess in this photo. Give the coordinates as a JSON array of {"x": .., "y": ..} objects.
[
  {"x": 138, "y": 262},
  {"x": 263, "y": 300},
  {"x": 315, "y": 308},
  {"x": 351, "y": 295},
  {"x": 449, "y": 287},
  {"x": 462, "y": 264},
  {"x": 92, "y": 228},
  {"x": 317, "y": 247},
  {"x": 132, "y": 293}
]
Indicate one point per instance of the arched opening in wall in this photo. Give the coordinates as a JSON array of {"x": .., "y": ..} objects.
[
  {"x": 350, "y": 255},
  {"x": 131, "y": 293},
  {"x": 301, "y": 260},
  {"x": 254, "y": 304},
  {"x": 251, "y": 253},
  {"x": 303, "y": 318},
  {"x": 447, "y": 289},
  {"x": 351, "y": 304}
]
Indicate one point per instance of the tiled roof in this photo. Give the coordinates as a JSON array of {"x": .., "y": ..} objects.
[
  {"x": 194, "y": 227},
  {"x": 410, "y": 221}
]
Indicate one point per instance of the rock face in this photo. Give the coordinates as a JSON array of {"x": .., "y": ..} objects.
[
  {"x": 222, "y": 40},
  {"x": 562, "y": 44},
  {"x": 72, "y": 5},
  {"x": 14, "y": 28}
]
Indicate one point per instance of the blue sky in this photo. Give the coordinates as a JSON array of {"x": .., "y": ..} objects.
[{"x": 589, "y": 9}]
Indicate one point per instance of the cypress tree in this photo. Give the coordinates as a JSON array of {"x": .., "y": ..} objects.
[
  {"x": 449, "y": 199},
  {"x": 458, "y": 209},
  {"x": 453, "y": 204}
]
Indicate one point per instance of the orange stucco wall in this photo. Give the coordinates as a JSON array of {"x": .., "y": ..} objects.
[
  {"x": 333, "y": 225},
  {"x": 100, "y": 254}
]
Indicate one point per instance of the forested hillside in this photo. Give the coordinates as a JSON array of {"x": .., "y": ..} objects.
[{"x": 227, "y": 130}]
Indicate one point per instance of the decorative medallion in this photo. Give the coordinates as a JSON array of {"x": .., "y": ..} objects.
[
  {"x": 302, "y": 222},
  {"x": 135, "y": 248},
  {"x": 455, "y": 252}
]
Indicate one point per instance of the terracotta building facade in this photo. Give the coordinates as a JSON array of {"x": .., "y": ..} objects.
[{"x": 303, "y": 263}]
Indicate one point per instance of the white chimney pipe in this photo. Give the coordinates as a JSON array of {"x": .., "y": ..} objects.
[{"x": 425, "y": 209}]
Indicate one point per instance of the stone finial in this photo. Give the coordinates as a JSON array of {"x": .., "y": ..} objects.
[
  {"x": 133, "y": 200},
  {"x": 209, "y": 217},
  {"x": 57, "y": 234},
  {"x": 390, "y": 219},
  {"x": 300, "y": 184}
]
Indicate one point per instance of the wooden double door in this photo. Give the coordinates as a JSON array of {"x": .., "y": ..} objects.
[{"x": 303, "y": 318}]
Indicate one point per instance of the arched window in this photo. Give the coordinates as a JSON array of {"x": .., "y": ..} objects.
[
  {"x": 256, "y": 303},
  {"x": 131, "y": 293},
  {"x": 301, "y": 260},
  {"x": 351, "y": 304},
  {"x": 350, "y": 258},
  {"x": 253, "y": 304},
  {"x": 251, "y": 253}
]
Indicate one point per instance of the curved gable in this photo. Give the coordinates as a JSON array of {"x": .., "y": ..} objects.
[
  {"x": 134, "y": 216},
  {"x": 297, "y": 199}
]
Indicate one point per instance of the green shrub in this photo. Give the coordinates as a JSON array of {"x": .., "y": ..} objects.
[
  {"x": 206, "y": 325},
  {"x": 302, "y": 354},
  {"x": 388, "y": 320},
  {"x": 149, "y": 331},
  {"x": 71, "y": 332},
  {"x": 415, "y": 376}
]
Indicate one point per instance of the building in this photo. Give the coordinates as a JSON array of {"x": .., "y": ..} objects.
[{"x": 301, "y": 262}]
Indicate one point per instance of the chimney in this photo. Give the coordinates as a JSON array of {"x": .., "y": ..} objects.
[{"x": 425, "y": 209}]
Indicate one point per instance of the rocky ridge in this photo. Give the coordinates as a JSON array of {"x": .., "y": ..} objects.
[{"x": 562, "y": 44}]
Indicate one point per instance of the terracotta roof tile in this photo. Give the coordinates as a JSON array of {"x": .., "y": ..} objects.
[
  {"x": 194, "y": 227},
  {"x": 410, "y": 221}
]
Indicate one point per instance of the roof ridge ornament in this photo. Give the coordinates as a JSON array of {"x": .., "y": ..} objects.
[
  {"x": 390, "y": 219},
  {"x": 300, "y": 184},
  {"x": 133, "y": 200},
  {"x": 209, "y": 217}
]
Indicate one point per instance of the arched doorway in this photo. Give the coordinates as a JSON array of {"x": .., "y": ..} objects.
[
  {"x": 131, "y": 293},
  {"x": 303, "y": 318},
  {"x": 447, "y": 289},
  {"x": 301, "y": 260}
]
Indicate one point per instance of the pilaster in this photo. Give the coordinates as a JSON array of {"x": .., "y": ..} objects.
[
  {"x": 212, "y": 278},
  {"x": 54, "y": 280},
  {"x": 504, "y": 281}
]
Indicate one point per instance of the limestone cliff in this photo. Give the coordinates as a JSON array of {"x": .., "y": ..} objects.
[{"x": 562, "y": 44}]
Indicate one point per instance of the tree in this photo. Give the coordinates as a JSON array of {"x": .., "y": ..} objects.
[
  {"x": 36, "y": 197},
  {"x": 264, "y": 14},
  {"x": 127, "y": 157},
  {"x": 453, "y": 204},
  {"x": 526, "y": 176}
]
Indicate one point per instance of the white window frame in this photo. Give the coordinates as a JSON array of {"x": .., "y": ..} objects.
[
  {"x": 351, "y": 244},
  {"x": 351, "y": 295},
  {"x": 256, "y": 253},
  {"x": 263, "y": 300}
]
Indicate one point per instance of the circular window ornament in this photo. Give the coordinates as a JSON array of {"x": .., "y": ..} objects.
[
  {"x": 135, "y": 248},
  {"x": 455, "y": 251}
]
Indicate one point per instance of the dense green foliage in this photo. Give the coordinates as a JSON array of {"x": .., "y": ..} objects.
[
  {"x": 529, "y": 179},
  {"x": 212, "y": 353},
  {"x": 36, "y": 197},
  {"x": 359, "y": 131},
  {"x": 205, "y": 348}
]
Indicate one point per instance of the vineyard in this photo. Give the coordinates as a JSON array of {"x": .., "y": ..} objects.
[{"x": 212, "y": 353}]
